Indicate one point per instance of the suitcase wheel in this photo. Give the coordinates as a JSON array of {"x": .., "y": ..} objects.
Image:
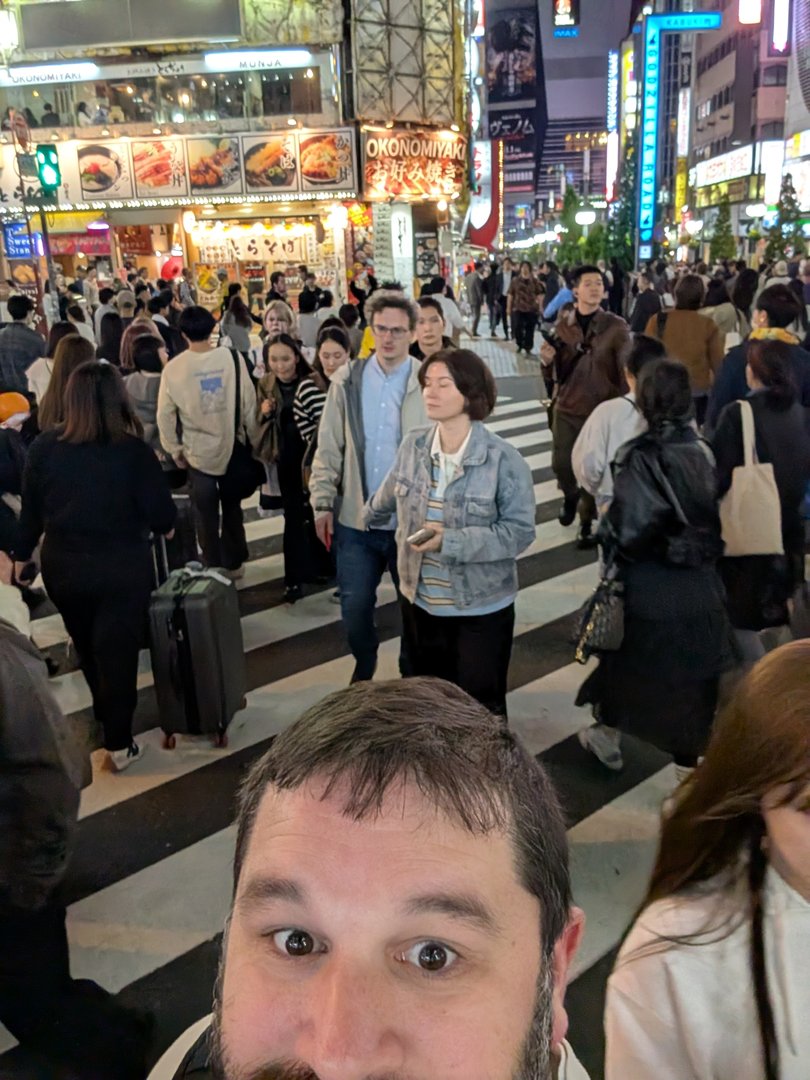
[
  {"x": 220, "y": 740},
  {"x": 169, "y": 742}
]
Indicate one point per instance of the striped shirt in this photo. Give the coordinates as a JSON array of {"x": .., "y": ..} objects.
[
  {"x": 307, "y": 408},
  {"x": 434, "y": 593}
]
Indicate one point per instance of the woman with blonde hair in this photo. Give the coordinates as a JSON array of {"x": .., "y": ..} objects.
[
  {"x": 279, "y": 318},
  {"x": 712, "y": 981},
  {"x": 71, "y": 352}
]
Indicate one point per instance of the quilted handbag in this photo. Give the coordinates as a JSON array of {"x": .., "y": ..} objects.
[{"x": 602, "y": 627}]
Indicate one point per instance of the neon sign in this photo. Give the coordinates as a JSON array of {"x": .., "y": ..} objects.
[{"x": 655, "y": 26}]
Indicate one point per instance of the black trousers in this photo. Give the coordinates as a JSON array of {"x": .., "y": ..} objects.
[
  {"x": 103, "y": 599},
  {"x": 222, "y": 543},
  {"x": 305, "y": 557},
  {"x": 476, "y": 317},
  {"x": 472, "y": 651},
  {"x": 565, "y": 430},
  {"x": 64, "y": 1022},
  {"x": 525, "y": 322},
  {"x": 501, "y": 315}
]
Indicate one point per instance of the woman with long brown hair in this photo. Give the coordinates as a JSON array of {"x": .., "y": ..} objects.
[
  {"x": 39, "y": 374},
  {"x": 712, "y": 981},
  {"x": 71, "y": 352},
  {"x": 96, "y": 491}
]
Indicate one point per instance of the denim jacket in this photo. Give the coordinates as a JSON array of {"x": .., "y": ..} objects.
[{"x": 489, "y": 511}]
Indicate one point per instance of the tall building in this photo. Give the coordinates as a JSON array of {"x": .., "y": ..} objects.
[
  {"x": 576, "y": 70},
  {"x": 738, "y": 121},
  {"x": 184, "y": 139}
]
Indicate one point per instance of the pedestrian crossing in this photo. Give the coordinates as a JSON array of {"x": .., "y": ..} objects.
[{"x": 149, "y": 883}]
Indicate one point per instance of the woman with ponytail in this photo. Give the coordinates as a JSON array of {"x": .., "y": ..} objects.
[
  {"x": 712, "y": 981},
  {"x": 759, "y": 586}
]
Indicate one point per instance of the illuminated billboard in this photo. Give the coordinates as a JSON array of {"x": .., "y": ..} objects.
[
  {"x": 566, "y": 13},
  {"x": 654, "y": 27}
]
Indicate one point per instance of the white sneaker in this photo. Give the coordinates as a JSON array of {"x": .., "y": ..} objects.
[
  {"x": 122, "y": 759},
  {"x": 604, "y": 743}
]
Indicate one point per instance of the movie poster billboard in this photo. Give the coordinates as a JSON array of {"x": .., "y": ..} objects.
[{"x": 512, "y": 51}]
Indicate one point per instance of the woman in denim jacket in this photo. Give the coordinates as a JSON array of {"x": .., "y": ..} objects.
[{"x": 474, "y": 492}]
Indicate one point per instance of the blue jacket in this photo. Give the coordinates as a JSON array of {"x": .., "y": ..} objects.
[
  {"x": 489, "y": 511},
  {"x": 730, "y": 384}
]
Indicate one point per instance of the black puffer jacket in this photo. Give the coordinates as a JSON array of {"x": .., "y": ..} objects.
[{"x": 664, "y": 505}]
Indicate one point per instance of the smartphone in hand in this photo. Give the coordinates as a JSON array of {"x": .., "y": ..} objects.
[{"x": 420, "y": 537}]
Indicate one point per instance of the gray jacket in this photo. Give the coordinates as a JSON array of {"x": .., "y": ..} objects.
[
  {"x": 338, "y": 480},
  {"x": 42, "y": 770},
  {"x": 489, "y": 511}
]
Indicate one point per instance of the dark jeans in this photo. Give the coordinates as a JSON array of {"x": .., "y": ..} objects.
[
  {"x": 476, "y": 318},
  {"x": 565, "y": 430},
  {"x": 501, "y": 315},
  {"x": 225, "y": 546},
  {"x": 67, "y": 1022},
  {"x": 362, "y": 559},
  {"x": 472, "y": 651},
  {"x": 492, "y": 309},
  {"x": 525, "y": 322},
  {"x": 104, "y": 600}
]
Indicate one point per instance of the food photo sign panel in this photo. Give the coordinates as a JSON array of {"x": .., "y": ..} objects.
[
  {"x": 105, "y": 171},
  {"x": 214, "y": 166},
  {"x": 159, "y": 167}
]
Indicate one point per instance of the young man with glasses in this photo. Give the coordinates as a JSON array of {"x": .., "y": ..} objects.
[{"x": 371, "y": 405}]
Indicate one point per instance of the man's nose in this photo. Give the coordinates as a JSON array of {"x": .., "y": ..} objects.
[{"x": 351, "y": 1028}]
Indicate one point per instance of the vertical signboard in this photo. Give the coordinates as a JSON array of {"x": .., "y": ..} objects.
[
  {"x": 566, "y": 18},
  {"x": 512, "y": 42},
  {"x": 612, "y": 164},
  {"x": 654, "y": 27}
]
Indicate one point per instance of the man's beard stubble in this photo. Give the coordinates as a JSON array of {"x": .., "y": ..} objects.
[{"x": 533, "y": 1059}]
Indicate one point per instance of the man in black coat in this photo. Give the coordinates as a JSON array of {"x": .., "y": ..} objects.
[{"x": 648, "y": 303}]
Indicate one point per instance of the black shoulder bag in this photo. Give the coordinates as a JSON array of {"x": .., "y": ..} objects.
[{"x": 244, "y": 473}]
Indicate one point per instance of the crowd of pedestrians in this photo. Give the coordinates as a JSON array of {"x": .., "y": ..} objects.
[{"x": 667, "y": 392}]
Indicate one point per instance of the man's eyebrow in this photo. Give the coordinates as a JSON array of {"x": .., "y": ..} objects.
[
  {"x": 264, "y": 890},
  {"x": 462, "y": 906}
]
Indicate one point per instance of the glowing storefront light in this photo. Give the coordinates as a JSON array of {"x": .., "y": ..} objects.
[
  {"x": 780, "y": 33},
  {"x": 750, "y": 12}
]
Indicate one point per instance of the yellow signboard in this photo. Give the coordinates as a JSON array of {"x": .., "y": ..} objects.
[{"x": 681, "y": 184}]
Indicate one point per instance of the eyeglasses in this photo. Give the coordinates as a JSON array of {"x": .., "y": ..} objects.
[{"x": 394, "y": 331}]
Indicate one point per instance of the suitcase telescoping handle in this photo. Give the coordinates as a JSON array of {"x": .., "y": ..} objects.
[{"x": 160, "y": 560}]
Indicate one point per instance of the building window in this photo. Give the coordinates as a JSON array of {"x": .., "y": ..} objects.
[
  {"x": 773, "y": 130},
  {"x": 775, "y": 75}
]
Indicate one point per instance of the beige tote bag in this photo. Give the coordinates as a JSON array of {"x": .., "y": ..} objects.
[{"x": 750, "y": 512}]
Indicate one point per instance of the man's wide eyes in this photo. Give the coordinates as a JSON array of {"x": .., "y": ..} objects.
[{"x": 431, "y": 957}]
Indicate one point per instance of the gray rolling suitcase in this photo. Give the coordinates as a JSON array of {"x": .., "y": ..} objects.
[{"x": 198, "y": 659}]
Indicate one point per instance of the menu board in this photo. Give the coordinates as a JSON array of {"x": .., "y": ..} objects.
[{"x": 267, "y": 167}]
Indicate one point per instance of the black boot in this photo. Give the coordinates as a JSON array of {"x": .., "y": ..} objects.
[
  {"x": 586, "y": 540},
  {"x": 569, "y": 510}
]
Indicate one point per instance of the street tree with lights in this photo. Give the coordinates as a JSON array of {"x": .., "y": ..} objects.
[{"x": 786, "y": 236}]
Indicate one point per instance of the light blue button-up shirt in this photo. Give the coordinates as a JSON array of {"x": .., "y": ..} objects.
[{"x": 382, "y": 398}]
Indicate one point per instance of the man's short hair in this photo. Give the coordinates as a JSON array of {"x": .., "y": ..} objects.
[
  {"x": 277, "y": 275},
  {"x": 196, "y": 323},
  {"x": 780, "y": 304},
  {"x": 690, "y": 293},
  {"x": 375, "y": 736},
  {"x": 105, "y": 295},
  {"x": 581, "y": 271},
  {"x": 472, "y": 377},
  {"x": 431, "y": 302},
  {"x": 160, "y": 302},
  {"x": 19, "y": 307},
  {"x": 386, "y": 298},
  {"x": 642, "y": 352}
]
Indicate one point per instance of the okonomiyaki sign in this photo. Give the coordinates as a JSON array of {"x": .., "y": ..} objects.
[{"x": 414, "y": 164}]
